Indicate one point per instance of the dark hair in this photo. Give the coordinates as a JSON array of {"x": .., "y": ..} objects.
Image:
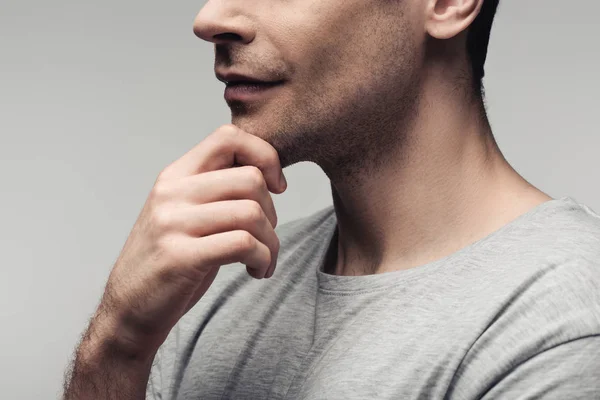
[{"x": 478, "y": 38}]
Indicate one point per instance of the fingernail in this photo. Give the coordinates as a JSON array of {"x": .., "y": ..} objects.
[
  {"x": 272, "y": 271},
  {"x": 282, "y": 182}
]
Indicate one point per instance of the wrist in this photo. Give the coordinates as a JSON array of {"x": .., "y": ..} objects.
[
  {"x": 103, "y": 369},
  {"x": 106, "y": 340}
]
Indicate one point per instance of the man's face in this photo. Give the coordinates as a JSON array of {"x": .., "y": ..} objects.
[{"x": 350, "y": 69}]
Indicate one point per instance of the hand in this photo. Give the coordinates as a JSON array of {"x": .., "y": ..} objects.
[{"x": 209, "y": 208}]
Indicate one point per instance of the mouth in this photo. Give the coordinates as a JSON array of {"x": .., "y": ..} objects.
[
  {"x": 251, "y": 83},
  {"x": 249, "y": 90}
]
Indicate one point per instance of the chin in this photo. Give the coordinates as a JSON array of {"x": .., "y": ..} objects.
[
  {"x": 255, "y": 124},
  {"x": 288, "y": 144}
]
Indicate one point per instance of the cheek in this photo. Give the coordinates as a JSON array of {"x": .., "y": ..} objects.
[
  {"x": 316, "y": 36},
  {"x": 335, "y": 57},
  {"x": 348, "y": 64}
]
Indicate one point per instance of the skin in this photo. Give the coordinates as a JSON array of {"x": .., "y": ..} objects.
[{"x": 378, "y": 94}]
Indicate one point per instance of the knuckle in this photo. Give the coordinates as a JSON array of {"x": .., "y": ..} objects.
[
  {"x": 230, "y": 128},
  {"x": 162, "y": 218},
  {"x": 255, "y": 176},
  {"x": 253, "y": 211},
  {"x": 271, "y": 156},
  {"x": 160, "y": 191},
  {"x": 163, "y": 175},
  {"x": 244, "y": 241},
  {"x": 225, "y": 136},
  {"x": 173, "y": 254},
  {"x": 229, "y": 131}
]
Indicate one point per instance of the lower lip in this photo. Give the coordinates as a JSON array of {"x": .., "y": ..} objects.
[{"x": 246, "y": 92}]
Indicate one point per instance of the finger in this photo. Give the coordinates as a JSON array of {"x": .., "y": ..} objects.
[
  {"x": 226, "y": 147},
  {"x": 227, "y": 184},
  {"x": 208, "y": 219},
  {"x": 225, "y": 248}
]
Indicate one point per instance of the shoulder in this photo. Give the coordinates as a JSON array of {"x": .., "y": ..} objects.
[
  {"x": 567, "y": 276},
  {"x": 554, "y": 277},
  {"x": 541, "y": 293},
  {"x": 571, "y": 226},
  {"x": 551, "y": 261}
]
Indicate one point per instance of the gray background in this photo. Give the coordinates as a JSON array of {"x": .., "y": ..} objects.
[{"x": 96, "y": 98}]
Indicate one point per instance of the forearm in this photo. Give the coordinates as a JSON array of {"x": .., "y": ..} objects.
[{"x": 102, "y": 370}]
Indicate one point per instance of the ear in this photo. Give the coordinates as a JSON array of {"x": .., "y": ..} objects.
[{"x": 448, "y": 18}]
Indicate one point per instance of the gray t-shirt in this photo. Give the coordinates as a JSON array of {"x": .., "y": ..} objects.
[{"x": 515, "y": 315}]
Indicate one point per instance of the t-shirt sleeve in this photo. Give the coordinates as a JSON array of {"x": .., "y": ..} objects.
[
  {"x": 569, "y": 370},
  {"x": 542, "y": 343}
]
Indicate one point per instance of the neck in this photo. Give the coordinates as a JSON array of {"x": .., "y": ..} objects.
[{"x": 447, "y": 187}]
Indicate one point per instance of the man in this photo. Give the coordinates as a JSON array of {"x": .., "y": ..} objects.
[{"x": 439, "y": 272}]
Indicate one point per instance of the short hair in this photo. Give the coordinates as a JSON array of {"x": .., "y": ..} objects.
[{"x": 478, "y": 39}]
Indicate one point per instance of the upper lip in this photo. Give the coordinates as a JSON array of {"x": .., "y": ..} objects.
[{"x": 235, "y": 77}]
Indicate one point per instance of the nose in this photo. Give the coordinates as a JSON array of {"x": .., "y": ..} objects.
[{"x": 222, "y": 22}]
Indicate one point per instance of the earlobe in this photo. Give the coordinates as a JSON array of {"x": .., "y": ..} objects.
[{"x": 448, "y": 18}]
